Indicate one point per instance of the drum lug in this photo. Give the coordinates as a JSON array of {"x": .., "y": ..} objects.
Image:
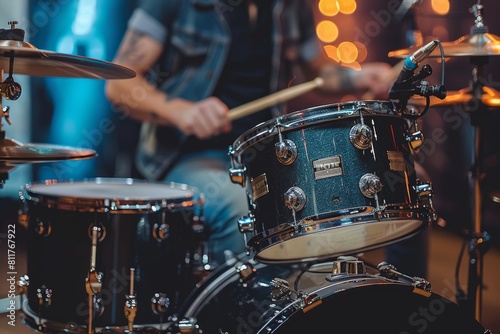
[
  {"x": 285, "y": 149},
  {"x": 43, "y": 229},
  {"x": 370, "y": 185},
  {"x": 160, "y": 304},
  {"x": 23, "y": 284},
  {"x": 280, "y": 290},
  {"x": 44, "y": 295},
  {"x": 161, "y": 231},
  {"x": 361, "y": 134},
  {"x": 246, "y": 272},
  {"x": 237, "y": 172},
  {"x": 189, "y": 326},
  {"x": 286, "y": 152},
  {"x": 246, "y": 224},
  {"x": 295, "y": 199},
  {"x": 238, "y": 175}
]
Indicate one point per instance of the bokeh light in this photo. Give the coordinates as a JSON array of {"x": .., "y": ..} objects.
[
  {"x": 441, "y": 7},
  {"x": 329, "y": 7},
  {"x": 327, "y": 31},
  {"x": 362, "y": 52},
  {"x": 347, "y": 6},
  {"x": 331, "y": 52},
  {"x": 348, "y": 52}
]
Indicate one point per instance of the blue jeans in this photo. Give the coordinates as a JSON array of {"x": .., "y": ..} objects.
[{"x": 225, "y": 202}]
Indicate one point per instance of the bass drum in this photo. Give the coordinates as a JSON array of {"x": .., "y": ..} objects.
[{"x": 236, "y": 298}]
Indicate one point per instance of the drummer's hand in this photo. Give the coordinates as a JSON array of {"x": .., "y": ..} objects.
[
  {"x": 204, "y": 119},
  {"x": 375, "y": 78}
]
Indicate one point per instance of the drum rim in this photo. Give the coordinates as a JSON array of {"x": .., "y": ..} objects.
[
  {"x": 306, "y": 117},
  {"x": 283, "y": 232},
  {"x": 32, "y": 192}
]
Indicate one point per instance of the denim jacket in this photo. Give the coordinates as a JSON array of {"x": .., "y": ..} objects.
[{"x": 197, "y": 41}]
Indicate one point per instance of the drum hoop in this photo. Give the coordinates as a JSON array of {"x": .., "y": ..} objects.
[
  {"x": 307, "y": 117},
  {"x": 284, "y": 232},
  {"x": 111, "y": 204}
]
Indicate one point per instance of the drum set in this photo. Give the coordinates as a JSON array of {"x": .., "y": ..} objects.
[{"x": 110, "y": 255}]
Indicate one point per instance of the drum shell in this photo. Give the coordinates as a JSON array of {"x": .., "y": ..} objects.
[
  {"x": 334, "y": 201},
  {"x": 59, "y": 258}
]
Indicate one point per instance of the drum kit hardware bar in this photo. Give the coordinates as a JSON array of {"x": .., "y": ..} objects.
[{"x": 354, "y": 191}]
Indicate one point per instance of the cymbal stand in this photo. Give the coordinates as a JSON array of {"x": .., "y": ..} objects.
[{"x": 478, "y": 238}]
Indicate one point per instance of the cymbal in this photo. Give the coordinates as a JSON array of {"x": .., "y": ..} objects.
[
  {"x": 469, "y": 45},
  {"x": 35, "y": 62},
  {"x": 15, "y": 152},
  {"x": 490, "y": 98}
]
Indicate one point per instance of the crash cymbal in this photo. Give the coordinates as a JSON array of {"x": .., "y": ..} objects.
[
  {"x": 490, "y": 98},
  {"x": 484, "y": 44},
  {"x": 34, "y": 62},
  {"x": 14, "y": 152}
]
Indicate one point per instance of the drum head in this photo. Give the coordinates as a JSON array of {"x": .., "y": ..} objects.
[{"x": 110, "y": 194}]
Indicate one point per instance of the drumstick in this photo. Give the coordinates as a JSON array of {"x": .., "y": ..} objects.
[
  {"x": 392, "y": 75},
  {"x": 275, "y": 98}
]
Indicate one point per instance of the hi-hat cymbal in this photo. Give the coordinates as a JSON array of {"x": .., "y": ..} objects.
[
  {"x": 469, "y": 45},
  {"x": 34, "y": 62},
  {"x": 14, "y": 152},
  {"x": 490, "y": 98}
]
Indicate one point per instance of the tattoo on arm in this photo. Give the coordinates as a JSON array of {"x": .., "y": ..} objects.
[{"x": 131, "y": 52}]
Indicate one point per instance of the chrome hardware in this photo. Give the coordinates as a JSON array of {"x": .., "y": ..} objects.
[
  {"x": 286, "y": 152},
  {"x": 6, "y": 115},
  {"x": 43, "y": 229},
  {"x": 370, "y": 185},
  {"x": 425, "y": 194},
  {"x": 280, "y": 289},
  {"x": 246, "y": 224},
  {"x": 389, "y": 271},
  {"x": 361, "y": 134},
  {"x": 189, "y": 326},
  {"x": 237, "y": 172},
  {"x": 44, "y": 297},
  {"x": 99, "y": 229},
  {"x": 160, "y": 304},
  {"x": 285, "y": 149},
  {"x": 295, "y": 199},
  {"x": 246, "y": 271},
  {"x": 130, "y": 309},
  {"x": 161, "y": 231},
  {"x": 416, "y": 138},
  {"x": 238, "y": 175},
  {"x": 23, "y": 284},
  {"x": 348, "y": 265}
]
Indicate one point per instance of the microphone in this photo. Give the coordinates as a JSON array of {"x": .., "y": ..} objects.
[{"x": 411, "y": 62}]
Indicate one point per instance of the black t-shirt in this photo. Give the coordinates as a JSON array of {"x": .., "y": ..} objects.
[{"x": 247, "y": 71}]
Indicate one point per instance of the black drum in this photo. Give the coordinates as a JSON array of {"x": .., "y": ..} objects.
[
  {"x": 330, "y": 180},
  {"x": 250, "y": 297},
  {"x": 118, "y": 245}
]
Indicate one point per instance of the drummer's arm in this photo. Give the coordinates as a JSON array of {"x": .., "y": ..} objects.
[
  {"x": 143, "y": 101},
  {"x": 137, "y": 97},
  {"x": 339, "y": 79}
]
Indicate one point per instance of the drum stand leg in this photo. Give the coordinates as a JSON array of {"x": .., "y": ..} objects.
[
  {"x": 93, "y": 283},
  {"x": 479, "y": 239}
]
